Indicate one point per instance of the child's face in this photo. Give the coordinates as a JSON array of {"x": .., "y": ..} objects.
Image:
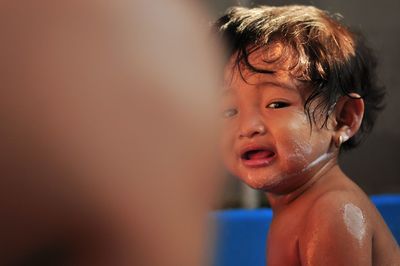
[{"x": 267, "y": 139}]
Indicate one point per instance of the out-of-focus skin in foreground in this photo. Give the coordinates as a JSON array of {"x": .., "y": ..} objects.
[{"x": 107, "y": 132}]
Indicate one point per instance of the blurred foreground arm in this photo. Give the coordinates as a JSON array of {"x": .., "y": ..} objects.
[{"x": 106, "y": 133}]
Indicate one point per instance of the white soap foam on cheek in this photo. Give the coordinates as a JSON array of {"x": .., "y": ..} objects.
[
  {"x": 302, "y": 152},
  {"x": 355, "y": 221},
  {"x": 299, "y": 153},
  {"x": 299, "y": 141},
  {"x": 299, "y": 157}
]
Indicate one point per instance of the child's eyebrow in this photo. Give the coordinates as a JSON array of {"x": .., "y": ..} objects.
[{"x": 277, "y": 83}]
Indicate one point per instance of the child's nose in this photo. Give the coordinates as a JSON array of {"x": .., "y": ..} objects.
[{"x": 251, "y": 127}]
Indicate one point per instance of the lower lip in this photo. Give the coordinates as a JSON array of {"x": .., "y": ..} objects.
[{"x": 255, "y": 163}]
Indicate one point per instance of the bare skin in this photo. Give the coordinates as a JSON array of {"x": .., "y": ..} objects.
[
  {"x": 320, "y": 216},
  {"x": 334, "y": 224}
]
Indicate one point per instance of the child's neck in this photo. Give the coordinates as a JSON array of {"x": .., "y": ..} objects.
[{"x": 279, "y": 201}]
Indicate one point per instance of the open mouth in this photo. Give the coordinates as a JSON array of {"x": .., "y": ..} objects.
[{"x": 257, "y": 157}]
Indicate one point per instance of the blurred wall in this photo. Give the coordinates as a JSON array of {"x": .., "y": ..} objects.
[{"x": 375, "y": 165}]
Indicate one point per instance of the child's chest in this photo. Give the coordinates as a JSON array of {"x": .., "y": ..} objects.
[{"x": 283, "y": 241}]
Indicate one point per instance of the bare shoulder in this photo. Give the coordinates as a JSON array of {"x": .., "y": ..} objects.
[
  {"x": 337, "y": 230},
  {"x": 340, "y": 201}
]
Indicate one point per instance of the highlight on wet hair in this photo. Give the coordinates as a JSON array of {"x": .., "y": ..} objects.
[{"x": 334, "y": 60}]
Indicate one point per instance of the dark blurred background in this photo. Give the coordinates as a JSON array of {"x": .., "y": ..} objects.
[{"x": 375, "y": 165}]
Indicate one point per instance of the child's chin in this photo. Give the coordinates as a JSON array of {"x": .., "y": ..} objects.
[
  {"x": 262, "y": 184},
  {"x": 257, "y": 184}
]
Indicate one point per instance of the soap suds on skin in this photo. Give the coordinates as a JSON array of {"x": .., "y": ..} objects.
[{"x": 354, "y": 221}]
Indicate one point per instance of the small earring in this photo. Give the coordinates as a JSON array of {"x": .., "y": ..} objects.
[{"x": 339, "y": 141}]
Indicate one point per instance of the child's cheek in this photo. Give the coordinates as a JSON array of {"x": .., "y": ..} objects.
[
  {"x": 295, "y": 147},
  {"x": 294, "y": 155},
  {"x": 226, "y": 146},
  {"x": 304, "y": 147}
]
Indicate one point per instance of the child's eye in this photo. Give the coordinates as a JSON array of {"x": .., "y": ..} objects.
[
  {"x": 276, "y": 105},
  {"x": 229, "y": 112}
]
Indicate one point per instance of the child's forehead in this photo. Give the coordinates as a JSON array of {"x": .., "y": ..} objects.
[
  {"x": 274, "y": 56},
  {"x": 276, "y": 61}
]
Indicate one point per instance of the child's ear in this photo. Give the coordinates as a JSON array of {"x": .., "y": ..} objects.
[{"x": 349, "y": 112}]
